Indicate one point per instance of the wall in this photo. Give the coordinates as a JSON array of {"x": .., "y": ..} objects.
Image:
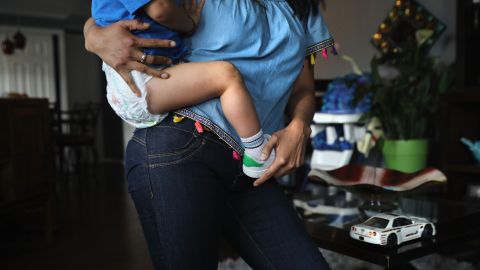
[
  {"x": 47, "y": 8},
  {"x": 353, "y": 22},
  {"x": 83, "y": 71}
]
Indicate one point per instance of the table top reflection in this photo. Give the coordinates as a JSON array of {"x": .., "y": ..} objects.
[{"x": 329, "y": 213}]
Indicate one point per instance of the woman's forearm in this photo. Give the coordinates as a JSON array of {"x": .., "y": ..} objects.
[
  {"x": 86, "y": 28},
  {"x": 301, "y": 106}
]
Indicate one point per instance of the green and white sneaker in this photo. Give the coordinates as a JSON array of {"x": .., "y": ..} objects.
[{"x": 254, "y": 168}]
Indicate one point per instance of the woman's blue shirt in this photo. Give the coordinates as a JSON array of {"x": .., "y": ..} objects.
[{"x": 267, "y": 44}]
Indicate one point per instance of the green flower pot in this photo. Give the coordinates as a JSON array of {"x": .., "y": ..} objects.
[{"x": 405, "y": 155}]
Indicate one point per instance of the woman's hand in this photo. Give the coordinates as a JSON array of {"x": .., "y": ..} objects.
[
  {"x": 120, "y": 49},
  {"x": 289, "y": 144}
]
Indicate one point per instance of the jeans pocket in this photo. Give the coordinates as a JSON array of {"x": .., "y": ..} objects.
[{"x": 168, "y": 145}]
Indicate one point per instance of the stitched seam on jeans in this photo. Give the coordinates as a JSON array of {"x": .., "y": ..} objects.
[
  {"x": 153, "y": 216},
  {"x": 185, "y": 148},
  {"x": 224, "y": 136},
  {"x": 320, "y": 46},
  {"x": 176, "y": 128},
  {"x": 151, "y": 202},
  {"x": 215, "y": 140},
  {"x": 139, "y": 141},
  {"x": 157, "y": 165},
  {"x": 250, "y": 236},
  {"x": 221, "y": 143},
  {"x": 148, "y": 167},
  {"x": 150, "y": 185}
]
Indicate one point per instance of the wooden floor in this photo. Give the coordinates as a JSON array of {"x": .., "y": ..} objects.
[{"x": 97, "y": 229}]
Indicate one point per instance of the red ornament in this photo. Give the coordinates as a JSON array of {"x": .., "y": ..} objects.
[
  {"x": 8, "y": 47},
  {"x": 20, "y": 40}
]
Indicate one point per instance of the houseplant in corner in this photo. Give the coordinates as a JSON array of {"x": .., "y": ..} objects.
[{"x": 406, "y": 102}]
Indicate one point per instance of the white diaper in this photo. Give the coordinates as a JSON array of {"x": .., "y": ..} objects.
[{"x": 125, "y": 103}]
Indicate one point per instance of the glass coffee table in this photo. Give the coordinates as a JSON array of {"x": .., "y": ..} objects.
[{"x": 328, "y": 217}]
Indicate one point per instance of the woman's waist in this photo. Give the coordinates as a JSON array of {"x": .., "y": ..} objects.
[
  {"x": 178, "y": 123},
  {"x": 207, "y": 122},
  {"x": 211, "y": 115},
  {"x": 213, "y": 125}
]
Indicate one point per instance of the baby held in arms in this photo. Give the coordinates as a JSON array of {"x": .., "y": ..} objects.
[{"x": 189, "y": 83}]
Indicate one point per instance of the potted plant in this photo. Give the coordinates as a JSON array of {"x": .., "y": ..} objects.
[{"x": 406, "y": 102}]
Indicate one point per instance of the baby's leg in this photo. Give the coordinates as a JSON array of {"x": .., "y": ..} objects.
[{"x": 193, "y": 83}]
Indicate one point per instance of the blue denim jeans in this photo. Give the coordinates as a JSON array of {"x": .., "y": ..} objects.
[{"x": 188, "y": 190}]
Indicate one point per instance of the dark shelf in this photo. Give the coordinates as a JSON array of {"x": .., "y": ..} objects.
[
  {"x": 470, "y": 169},
  {"x": 473, "y": 37},
  {"x": 466, "y": 95}
]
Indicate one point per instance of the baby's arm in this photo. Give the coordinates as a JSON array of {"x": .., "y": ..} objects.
[{"x": 177, "y": 18}]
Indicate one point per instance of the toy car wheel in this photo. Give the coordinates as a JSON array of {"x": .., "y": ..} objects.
[
  {"x": 427, "y": 232},
  {"x": 392, "y": 240}
]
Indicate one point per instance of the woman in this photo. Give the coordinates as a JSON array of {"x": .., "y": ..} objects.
[{"x": 187, "y": 187}]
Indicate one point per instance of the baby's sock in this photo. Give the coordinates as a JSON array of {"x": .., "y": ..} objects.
[{"x": 254, "y": 145}]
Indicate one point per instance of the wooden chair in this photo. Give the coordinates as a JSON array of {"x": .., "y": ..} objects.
[{"x": 76, "y": 138}]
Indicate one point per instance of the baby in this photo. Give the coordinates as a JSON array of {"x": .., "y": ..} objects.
[{"x": 189, "y": 83}]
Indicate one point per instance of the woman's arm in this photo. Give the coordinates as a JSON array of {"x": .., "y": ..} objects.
[
  {"x": 181, "y": 19},
  {"x": 290, "y": 142},
  {"x": 120, "y": 49}
]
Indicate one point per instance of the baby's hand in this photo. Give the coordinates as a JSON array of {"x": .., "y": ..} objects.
[{"x": 194, "y": 9}]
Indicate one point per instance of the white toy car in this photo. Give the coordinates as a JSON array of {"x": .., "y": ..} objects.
[{"x": 392, "y": 230}]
